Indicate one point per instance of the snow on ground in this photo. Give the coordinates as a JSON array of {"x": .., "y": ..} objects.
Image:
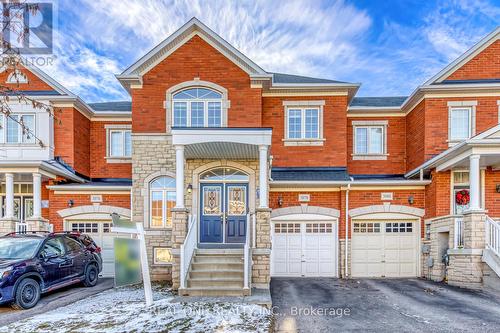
[{"x": 124, "y": 310}]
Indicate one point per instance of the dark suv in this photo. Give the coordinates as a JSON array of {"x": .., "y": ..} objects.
[{"x": 35, "y": 263}]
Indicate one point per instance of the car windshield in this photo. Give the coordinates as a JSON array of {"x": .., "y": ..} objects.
[{"x": 18, "y": 248}]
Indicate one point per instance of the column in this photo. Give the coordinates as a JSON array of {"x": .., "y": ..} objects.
[
  {"x": 179, "y": 176},
  {"x": 37, "y": 196},
  {"x": 263, "y": 177},
  {"x": 474, "y": 178},
  {"x": 9, "y": 195}
]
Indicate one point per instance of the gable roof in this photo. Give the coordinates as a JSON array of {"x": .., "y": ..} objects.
[
  {"x": 290, "y": 78},
  {"x": 118, "y": 106},
  {"x": 464, "y": 58},
  {"x": 379, "y": 102},
  {"x": 178, "y": 38}
]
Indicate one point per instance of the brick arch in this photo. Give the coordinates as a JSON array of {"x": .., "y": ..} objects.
[
  {"x": 399, "y": 209},
  {"x": 92, "y": 209},
  {"x": 332, "y": 212}
]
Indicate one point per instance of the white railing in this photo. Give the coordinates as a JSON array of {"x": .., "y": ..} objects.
[
  {"x": 459, "y": 233},
  {"x": 254, "y": 230},
  {"x": 21, "y": 227},
  {"x": 492, "y": 235},
  {"x": 187, "y": 249},
  {"x": 247, "y": 259}
]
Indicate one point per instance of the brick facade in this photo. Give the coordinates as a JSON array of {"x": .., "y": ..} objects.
[{"x": 486, "y": 65}]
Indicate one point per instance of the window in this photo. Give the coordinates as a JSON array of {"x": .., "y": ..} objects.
[
  {"x": 162, "y": 256},
  {"x": 197, "y": 107},
  {"x": 460, "y": 184},
  {"x": 366, "y": 227},
  {"x": 398, "y": 227},
  {"x": 460, "y": 124},
  {"x": 13, "y": 132},
  {"x": 287, "y": 228},
  {"x": 303, "y": 123},
  {"x": 54, "y": 246},
  {"x": 162, "y": 200},
  {"x": 72, "y": 245},
  {"x": 120, "y": 143},
  {"x": 369, "y": 140},
  {"x": 85, "y": 227}
]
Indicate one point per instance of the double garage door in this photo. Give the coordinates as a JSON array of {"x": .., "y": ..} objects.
[
  {"x": 304, "y": 249},
  {"x": 384, "y": 248}
]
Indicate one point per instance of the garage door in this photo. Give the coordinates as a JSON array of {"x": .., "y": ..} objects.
[
  {"x": 102, "y": 235},
  {"x": 304, "y": 249},
  {"x": 384, "y": 249}
]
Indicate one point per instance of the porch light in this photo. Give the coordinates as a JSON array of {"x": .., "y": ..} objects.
[
  {"x": 189, "y": 188},
  {"x": 410, "y": 199},
  {"x": 280, "y": 201},
  {"x": 70, "y": 203}
]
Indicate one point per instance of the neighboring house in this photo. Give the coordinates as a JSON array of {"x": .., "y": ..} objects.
[{"x": 239, "y": 174}]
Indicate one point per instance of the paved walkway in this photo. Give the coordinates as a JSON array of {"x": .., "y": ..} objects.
[
  {"x": 382, "y": 305},
  {"x": 54, "y": 300}
]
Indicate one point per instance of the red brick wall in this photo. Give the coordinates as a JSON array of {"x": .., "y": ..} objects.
[
  {"x": 34, "y": 83},
  {"x": 290, "y": 199},
  {"x": 99, "y": 168},
  {"x": 333, "y": 151},
  {"x": 196, "y": 58},
  {"x": 81, "y": 132},
  {"x": 396, "y": 148},
  {"x": 437, "y": 195},
  {"x": 60, "y": 201},
  {"x": 415, "y": 137},
  {"x": 492, "y": 198},
  {"x": 486, "y": 65}
]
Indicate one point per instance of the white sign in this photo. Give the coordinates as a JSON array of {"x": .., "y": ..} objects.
[
  {"x": 386, "y": 196},
  {"x": 96, "y": 198},
  {"x": 304, "y": 197}
]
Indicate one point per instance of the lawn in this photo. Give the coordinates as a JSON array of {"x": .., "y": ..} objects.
[{"x": 124, "y": 310}]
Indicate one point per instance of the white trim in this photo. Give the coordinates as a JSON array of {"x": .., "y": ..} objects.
[
  {"x": 303, "y": 141},
  {"x": 123, "y": 129},
  {"x": 304, "y": 103},
  {"x": 386, "y": 208},
  {"x": 383, "y": 124},
  {"x": 304, "y": 210},
  {"x": 145, "y": 192},
  {"x": 17, "y": 77},
  {"x": 259, "y": 136},
  {"x": 84, "y": 187},
  {"x": 93, "y": 209}
]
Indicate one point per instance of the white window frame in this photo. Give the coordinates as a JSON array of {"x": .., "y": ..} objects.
[
  {"x": 3, "y": 130},
  {"x": 205, "y": 110},
  {"x": 164, "y": 192},
  {"x": 382, "y": 124},
  {"x": 303, "y": 106},
  {"x": 461, "y": 105},
  {"x": 114, "y": 128},
  {"x": 482, "y": 188}
]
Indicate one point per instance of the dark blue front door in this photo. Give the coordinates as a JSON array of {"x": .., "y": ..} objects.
[
  {"x": 223, "y": 209},
  {"x": 211, "y": 214}
]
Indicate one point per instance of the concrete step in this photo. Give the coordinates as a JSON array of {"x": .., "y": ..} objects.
[
  {"x": 215, "y": 283},
  {"x": 220, "y": 291},
  {"x": 219, "y": 251},
  {"x": 218, "y": 259},
  {"x": 215, "y": 266},
  {"x": 214, "y": 274}
]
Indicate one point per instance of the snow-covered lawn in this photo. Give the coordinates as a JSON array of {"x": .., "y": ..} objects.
[{"x": 123, "y": 310}]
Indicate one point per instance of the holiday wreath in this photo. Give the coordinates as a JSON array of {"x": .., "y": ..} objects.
[{"x": 462, "y": 197}]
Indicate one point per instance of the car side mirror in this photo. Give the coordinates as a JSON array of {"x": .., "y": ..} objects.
[{"x": 48, "y": 255}]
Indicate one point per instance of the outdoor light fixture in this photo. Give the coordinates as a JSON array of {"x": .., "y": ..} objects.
[
  {"x": 70, "y": 203},
  {"x": 410, "y": 199},
  {"x": 280, "y": 201},
  {"x": 190, "y": 188}
]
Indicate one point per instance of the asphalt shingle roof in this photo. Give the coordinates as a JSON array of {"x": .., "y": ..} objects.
[
  {"x": 320, "y": 174},
  {"x": 289, "y": 78},
  {"x": 118, "y": 106},
  {"x": 378, "y": 101}
]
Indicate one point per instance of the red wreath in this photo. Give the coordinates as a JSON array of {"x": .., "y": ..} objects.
[{"x": 462, "y": 197}]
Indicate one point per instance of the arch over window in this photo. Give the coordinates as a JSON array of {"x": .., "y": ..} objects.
[
  {"x": 197, "y": 107},
  {"x": 162, "y": 200},
  {"x": 224, "y": 174}
]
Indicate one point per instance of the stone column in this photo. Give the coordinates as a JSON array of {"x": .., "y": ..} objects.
[
  {"x": 261, "y": 255},
  {"x": 474, "y": 178},
  {"x": 179, "y": 176},
  {"x": 263, "y": 198},
  {"x": 179, "y": 231}
]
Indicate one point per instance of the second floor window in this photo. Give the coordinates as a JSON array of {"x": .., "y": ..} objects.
[
  {"x": 303, "y": 123},
  {"x": 120, "y": 143},
  {"x": 197, "y": 107},
  {"x": 11, "y": 130},
  {"x": 369, "y": 140},
  {"x": 460, "y": 124}
]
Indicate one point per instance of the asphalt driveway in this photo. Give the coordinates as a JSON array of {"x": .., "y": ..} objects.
[
  {"x": 387, "y": 305},
  {"x": 53, "y": 300}
]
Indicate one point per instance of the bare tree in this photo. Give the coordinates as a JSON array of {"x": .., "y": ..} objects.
[{"x": 13, "y": 27}]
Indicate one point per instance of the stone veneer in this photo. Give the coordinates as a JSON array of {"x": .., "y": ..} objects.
[
  {"x": 341, "y": 257},
  {"x": 261, "y": 254}
]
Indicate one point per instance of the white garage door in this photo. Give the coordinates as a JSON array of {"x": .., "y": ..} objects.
[
  {"x": 384, "y": 248},
  {"x": 304, "y": 249},
  {"x": 104, "y": 238}
]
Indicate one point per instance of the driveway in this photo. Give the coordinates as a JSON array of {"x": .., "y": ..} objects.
[
  {"x": 53, "y": 300},
  {"x": 394, "y": 305}
]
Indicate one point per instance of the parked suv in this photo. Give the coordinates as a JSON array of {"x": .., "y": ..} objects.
[{"x": 35, "y": 263}]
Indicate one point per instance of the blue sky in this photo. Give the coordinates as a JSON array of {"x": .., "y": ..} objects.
[{"x": 389, "y": 46}]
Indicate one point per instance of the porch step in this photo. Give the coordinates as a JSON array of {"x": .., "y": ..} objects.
[
  {"x": 220, "y": 259},
  {"x": 218, "y": 252},
  {"x": 219, "y": 291},
  {"x": 215, "y": 266},
  {"x": 215, "y": 283},
  {"x": 210, "y": 274}
]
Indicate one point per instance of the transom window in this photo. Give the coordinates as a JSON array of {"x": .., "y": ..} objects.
[
  {"x": 12, "y": 132},
  {"x": 224, "y": 174},
  {"x": 303, "y": 123},
  {"x": 162, "y": 200},
  {"x": 287, "y": 228},
  {"x": 366, "y": 227},
  {"x": 369, "y": 140},
  {"x": 197, "y": 107},
  {"x": 398, "y": 227},
  {"x": 460, "y": 123},
  {"x": 120, "y": 143}
]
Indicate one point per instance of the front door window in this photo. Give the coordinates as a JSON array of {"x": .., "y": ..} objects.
[{"x": 212, "y": 201}]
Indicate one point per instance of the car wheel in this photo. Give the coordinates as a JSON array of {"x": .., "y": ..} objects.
[
  {"x": 91, "y": 276},
  {"x": 27, "y": 294}
]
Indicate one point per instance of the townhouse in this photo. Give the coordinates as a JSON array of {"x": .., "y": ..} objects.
[{"x": 240, "y": 174}]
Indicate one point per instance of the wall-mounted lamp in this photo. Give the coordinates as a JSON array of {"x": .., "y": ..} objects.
[
  {"x": 411, "y": 200},
  {"x": 498, "y": 188},
  {"x": 280, "y": 201},
  {"x": 70, "y": 203},
  {"x": 190, "y": 188}
]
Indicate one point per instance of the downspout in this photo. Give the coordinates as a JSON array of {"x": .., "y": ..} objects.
[{"x": 346, "y": 274}]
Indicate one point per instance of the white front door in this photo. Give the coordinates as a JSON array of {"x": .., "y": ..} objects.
[
  {"x": 384, "y": 248},
  {"x": 304, "y": 249}
]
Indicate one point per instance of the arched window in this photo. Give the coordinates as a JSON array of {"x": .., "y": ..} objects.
[
  {"x": 224, "y": 175},
  {"x": 162, "y": 200},
  {"x": 197, "y": 107}
]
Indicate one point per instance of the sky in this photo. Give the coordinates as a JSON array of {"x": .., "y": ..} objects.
[{"x": 390, "y": 47}]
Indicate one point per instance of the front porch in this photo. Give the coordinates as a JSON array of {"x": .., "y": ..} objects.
[{"x": 220, "y": 229}]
